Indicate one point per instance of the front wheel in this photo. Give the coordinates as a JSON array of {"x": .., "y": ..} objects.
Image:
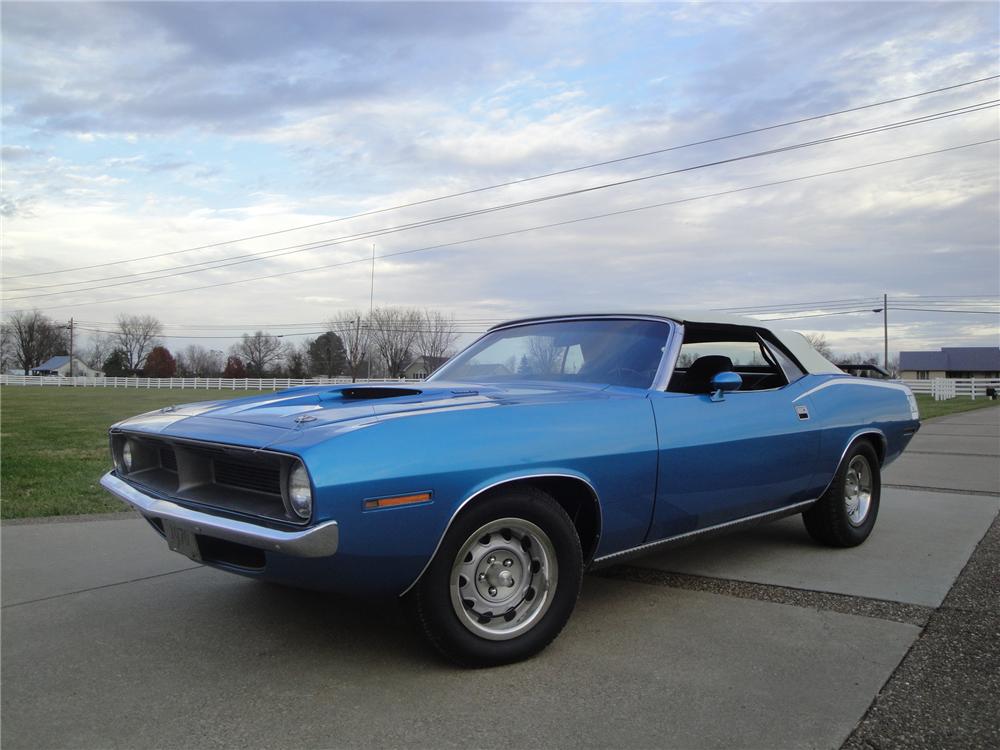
[
  {"x": 503, "y": 582},
  {"x": 845, "y": 515}
]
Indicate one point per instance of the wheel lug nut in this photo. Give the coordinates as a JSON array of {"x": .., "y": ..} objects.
[
  {"x": 493, "y": 591},
  {"x": 482, "y": 576},
  {"x": 491, "y": 560},
  {"x": 508, "y": 562}
]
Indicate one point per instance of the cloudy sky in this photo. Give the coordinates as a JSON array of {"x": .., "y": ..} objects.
[{"x": 147, "y": 129}]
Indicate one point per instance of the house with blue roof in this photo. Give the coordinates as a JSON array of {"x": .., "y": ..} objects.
[
  {"x": 60, "y": 366},
  {"x": 951, "y": 362}
]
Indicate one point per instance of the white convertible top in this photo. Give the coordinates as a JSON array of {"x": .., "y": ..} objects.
[{"x": 795, "y": 342}]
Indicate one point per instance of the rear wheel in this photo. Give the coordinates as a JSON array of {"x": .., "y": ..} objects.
[
  {"x": 846, "y": 514},
  {"x": 503, "y": 582}
]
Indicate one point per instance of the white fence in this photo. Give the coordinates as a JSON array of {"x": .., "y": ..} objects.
[
  {"x": 229, "y": 384},
  {"x": 945, "y": 388},
  {"x": 939, "y": 388}
]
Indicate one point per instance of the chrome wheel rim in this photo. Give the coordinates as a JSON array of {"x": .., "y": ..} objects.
[
  {"x": 858, "y": 490},
  {"x": 503, "y": 579}
]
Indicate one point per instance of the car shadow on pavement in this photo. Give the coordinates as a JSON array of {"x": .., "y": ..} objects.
[{"x": 275, "y": 619}]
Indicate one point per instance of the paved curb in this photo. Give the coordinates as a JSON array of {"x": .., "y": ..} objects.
[{"x": 946, "y": 691}]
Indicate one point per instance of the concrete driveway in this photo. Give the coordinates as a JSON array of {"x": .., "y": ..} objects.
[{"x": 761, "y": 639}]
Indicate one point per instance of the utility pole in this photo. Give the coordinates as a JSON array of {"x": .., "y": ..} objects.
[
  {"x": 885, "y": 329},
  {"x": 354, "y": 349},
  {"x": 70, "y": 326},
  {"x": 371, "y": 310}
]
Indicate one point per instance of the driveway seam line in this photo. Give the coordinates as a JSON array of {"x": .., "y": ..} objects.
[
  {"x": 943, "y": 490},
  {"x": 945, "y": 453},
  {"x": 98, "y": 588},
  {"x": 862, "y": 606}
]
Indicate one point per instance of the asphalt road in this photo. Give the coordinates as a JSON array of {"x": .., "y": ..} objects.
[{"x": 758, "y": 640}]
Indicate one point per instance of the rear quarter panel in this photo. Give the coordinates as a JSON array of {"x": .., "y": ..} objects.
[{"x": 847, "y": 407}]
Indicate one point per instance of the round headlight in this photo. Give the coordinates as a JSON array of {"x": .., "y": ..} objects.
[
  {"x": 127, "y": 455},
  {"x": 300, "y": 492}
]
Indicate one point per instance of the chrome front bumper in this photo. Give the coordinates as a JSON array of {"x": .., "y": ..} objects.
[{"x": 316, "y": 541}]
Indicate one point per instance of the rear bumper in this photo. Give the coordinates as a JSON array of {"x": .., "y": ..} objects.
[{"x": 321, "y": 540}]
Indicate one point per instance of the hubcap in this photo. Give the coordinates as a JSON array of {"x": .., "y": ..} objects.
[
  {"x": 503, "y": 578},
  {"x": 858, "y": 490}
]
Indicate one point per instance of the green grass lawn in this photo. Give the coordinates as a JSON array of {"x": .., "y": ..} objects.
[
  {"x": 929, "y": 408},
  {"x": 54, "y": 444}
]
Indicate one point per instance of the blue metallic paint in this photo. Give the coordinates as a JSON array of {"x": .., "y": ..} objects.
[{"x": 661, "y": 464}]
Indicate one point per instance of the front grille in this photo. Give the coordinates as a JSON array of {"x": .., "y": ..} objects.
[
  {"x": 247, "y": 476},
  {"x": 230, "y": 478},
  {"x": 168, "y": 459}
]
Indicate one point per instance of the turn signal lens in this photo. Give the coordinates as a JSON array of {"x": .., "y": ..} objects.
[
  {"x": 300, "y": 492},
  {"x": 389, "y": 502}
]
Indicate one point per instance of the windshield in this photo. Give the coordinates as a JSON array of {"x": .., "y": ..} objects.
[{"x": 615, "y": 352}]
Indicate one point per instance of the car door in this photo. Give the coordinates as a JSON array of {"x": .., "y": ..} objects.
[{"x": 721, "y": 460}]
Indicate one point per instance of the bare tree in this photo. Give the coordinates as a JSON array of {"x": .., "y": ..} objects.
[
  {"x": 136, "y": 336},
  {"x": 435, "y": 338},
  {"x": 198, "y": 362},
  {"x": 7, "y": 359},
  {"x": 297, "y": 359},
  {"x": 34, "y": 338},
  {"x": 260, "y": 351},
  {"x": 353, "y": 328},
  {"x": 393, "y": 331},
  {"x": 101, "y": 346},
  {"x": 819, "y": 343}
]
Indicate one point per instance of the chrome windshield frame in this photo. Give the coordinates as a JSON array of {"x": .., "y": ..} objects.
[{"x": 668, "y": 359}]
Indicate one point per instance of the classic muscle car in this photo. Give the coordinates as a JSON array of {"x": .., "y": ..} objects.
[{"x": 548, "y": 447}]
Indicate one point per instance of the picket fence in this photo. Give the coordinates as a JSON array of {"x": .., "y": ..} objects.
[
  {"x": 939, "y": 388},
  {"x": 229, "y": 384}
]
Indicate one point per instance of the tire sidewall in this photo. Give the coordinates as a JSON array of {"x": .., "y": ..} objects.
[
  {"x": 433, "y": 591},
  {"x": 848, "y": 531}
]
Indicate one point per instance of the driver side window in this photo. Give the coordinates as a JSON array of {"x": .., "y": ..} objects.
[{"x": 709, "y": 350}]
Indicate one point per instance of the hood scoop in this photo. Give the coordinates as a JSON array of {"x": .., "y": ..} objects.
[{"x": 368, "y": 393}]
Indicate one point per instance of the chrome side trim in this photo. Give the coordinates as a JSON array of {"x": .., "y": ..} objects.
[
  {"x": 595, "y": 316},
  {"x": 865, "y": 431},
  {"x": 321, "y": 540},
  {"x": 487, "y": 488},
  {"x": 670, "y": 541},
  {"x": 669, "y": 360}
]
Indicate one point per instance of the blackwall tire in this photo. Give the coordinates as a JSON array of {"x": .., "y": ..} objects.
[
  {"x": 504, "y": 581},
  {"x": 846, "y": 514}
]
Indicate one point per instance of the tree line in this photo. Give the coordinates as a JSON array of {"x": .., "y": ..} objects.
[{"x": 356, "y": 344}]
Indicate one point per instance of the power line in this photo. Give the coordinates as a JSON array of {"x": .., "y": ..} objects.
[
  {"x": 800, "y": 306},
  {"x": 819, "y": 315},
  {"x": 939, "y": 310},
  {"x": 306, "y": 247},
  {"x": 510, "y": 183},
  {"x": 552, "y": 225}
]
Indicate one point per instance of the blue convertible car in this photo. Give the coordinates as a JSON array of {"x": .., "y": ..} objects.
[{"x": 547, "y": 447}]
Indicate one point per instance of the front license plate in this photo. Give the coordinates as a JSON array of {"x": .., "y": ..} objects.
[{"x": 182, "y": 540}]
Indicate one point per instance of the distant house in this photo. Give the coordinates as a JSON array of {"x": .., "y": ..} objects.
[
  {"x": 421, "y": 367},
  {"x": 60, "y": 366},
  {"x": 951, "y": 362}
]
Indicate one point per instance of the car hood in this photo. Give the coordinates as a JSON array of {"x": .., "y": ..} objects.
[{"x": 309, "y": 407}]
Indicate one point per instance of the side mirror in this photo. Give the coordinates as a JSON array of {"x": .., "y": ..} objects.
[{"x": 725, "y": 381}]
